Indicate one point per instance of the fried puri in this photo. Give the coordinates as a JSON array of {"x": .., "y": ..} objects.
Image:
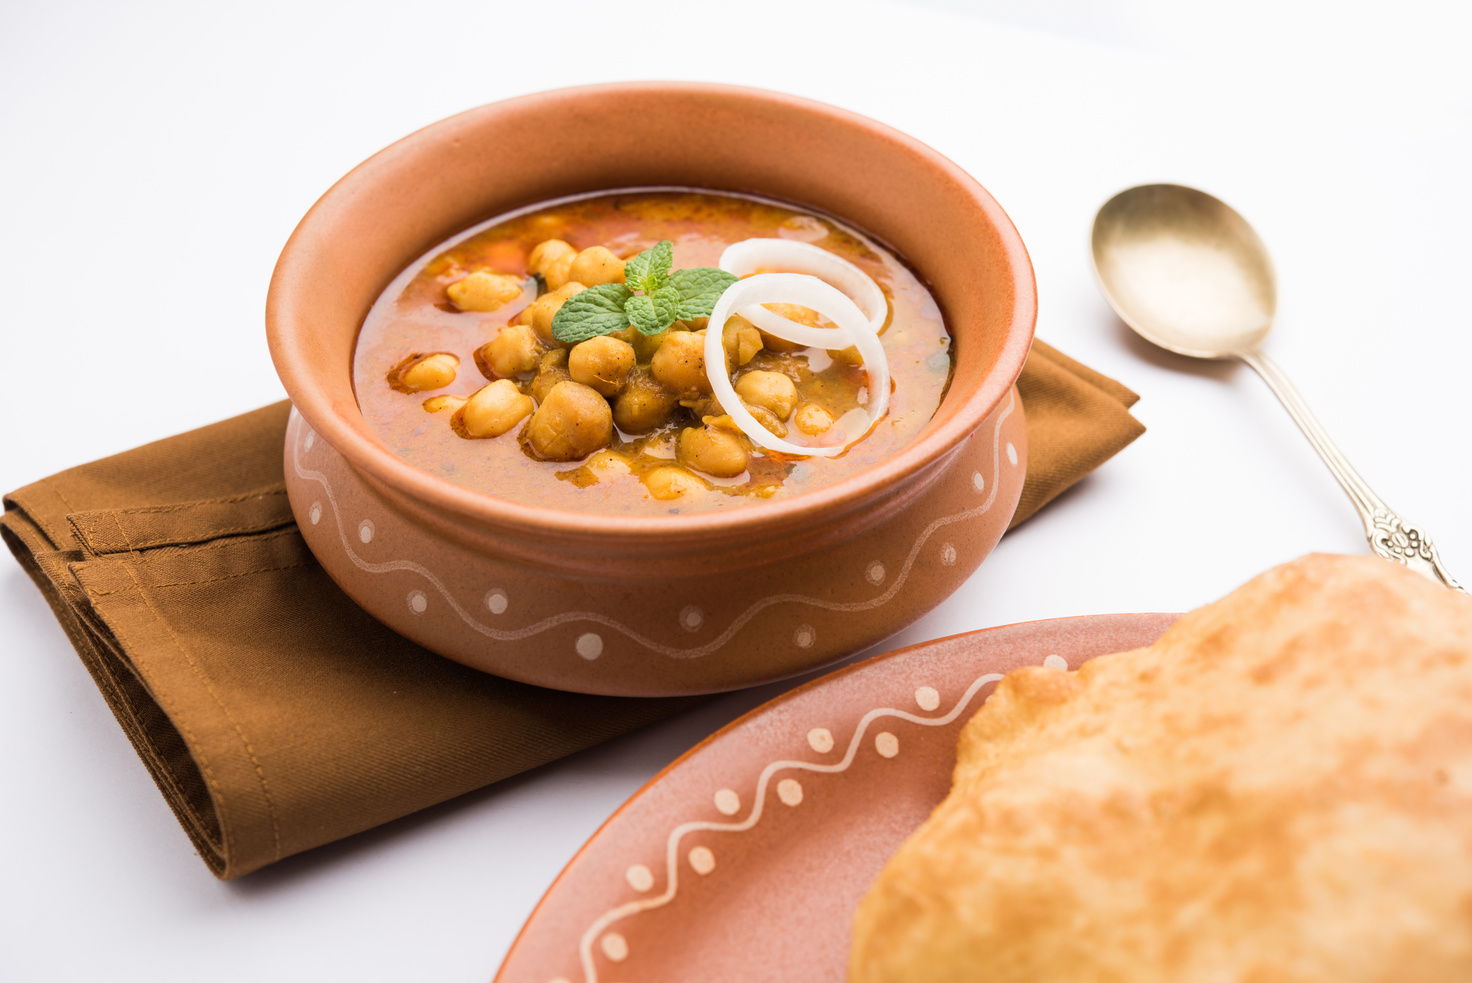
[{"x": 1277, "y": 791}]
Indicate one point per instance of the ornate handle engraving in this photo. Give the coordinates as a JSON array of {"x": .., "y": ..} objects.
[
  {"x": 1395, "y": 539},
  {"x": 1390, "y": 536}
]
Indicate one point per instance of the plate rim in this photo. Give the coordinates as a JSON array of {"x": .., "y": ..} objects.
[{"x": 826, "y": 679}]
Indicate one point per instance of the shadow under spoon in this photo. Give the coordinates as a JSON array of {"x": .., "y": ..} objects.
[{"x": 1188, "y": 273}]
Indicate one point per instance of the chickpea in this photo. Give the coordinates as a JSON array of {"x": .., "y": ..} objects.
[
  {"x": 716, "y": 452},
  {"x": 608, "y": 464},
  {"x": 601, "y": 363},
  {"x": 700, "y": 406},
  {"x": 795, "y": 312},
  {"x": 767, "y": 419},
  {"x": 770, "y": 389},
  {"x": 643, "y": 405},
  {"x": 667, "y": 483},
  {"x": 596, "y": 265},
  {"x": 741, "y": 339},
  {"x": 438, "y": 404},
  {"x": 680, "y": 362},
  {"x": 420, "y": 372},
  {"x": 545, "y": 308},
  {"x": 645, "y": 345},
  {"x": 512, "y": 352},
  {"x": 572, "y": 422},
  {"x": 559, "y": 272},
  {"x": 772, "y": 343},
  {"x": 484, "y": 291},
  {"x": 551, "y": 370},
  {"x": 552, "y": 261},
  {"x": 812, "y": 419},
  {"x": 762, "y": 415},
  {"x": 492, "y": 410},
  {"x": 545, "y": 252},
  {"x": 802, "y": 315}
]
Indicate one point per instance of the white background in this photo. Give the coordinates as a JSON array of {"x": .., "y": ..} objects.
[{"x": 155, "y": 157}]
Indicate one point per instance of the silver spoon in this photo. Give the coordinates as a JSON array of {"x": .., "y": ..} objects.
[{"x": 1188, "y": 273}]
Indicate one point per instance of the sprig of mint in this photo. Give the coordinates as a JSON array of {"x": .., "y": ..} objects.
[{"x": 665, "y": 296}]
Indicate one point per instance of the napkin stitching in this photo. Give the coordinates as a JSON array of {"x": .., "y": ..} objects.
[
  {"x": 141, "y": 558},
  {"x": 181, "y": 506},
  {"x": 204, "y": 679},
  {"x": 122, "y": 532},
  {"x": 190, "y": 583},
  {"x": 195, "y": 747}
]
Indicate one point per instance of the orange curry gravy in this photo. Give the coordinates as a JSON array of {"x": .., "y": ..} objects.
[{"x": 414, "y": 315}]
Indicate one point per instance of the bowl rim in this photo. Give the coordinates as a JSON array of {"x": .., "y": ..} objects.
[{"x": 285, "y": 324}]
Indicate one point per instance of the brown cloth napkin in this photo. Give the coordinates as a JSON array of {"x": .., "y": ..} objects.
[{"x": 273, "y": 713}]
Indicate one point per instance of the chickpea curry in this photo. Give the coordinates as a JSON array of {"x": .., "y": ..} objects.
[{"x": 559, "y": 355}]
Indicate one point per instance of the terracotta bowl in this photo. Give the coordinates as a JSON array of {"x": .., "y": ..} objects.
[{"x": 665, "y": 604}]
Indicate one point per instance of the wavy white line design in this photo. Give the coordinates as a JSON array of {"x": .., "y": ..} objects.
[
  {"x": 672, "y": 844},
  {"x": 673, "y": 652}
]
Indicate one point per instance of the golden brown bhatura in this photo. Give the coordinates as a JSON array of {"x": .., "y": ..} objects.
[{"x": 1279, "y": 789}]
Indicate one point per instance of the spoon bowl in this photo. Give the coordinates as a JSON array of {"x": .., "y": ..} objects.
[
  {"x": 1184, "y": 270},
  {"x": 1188, "y": 273}
]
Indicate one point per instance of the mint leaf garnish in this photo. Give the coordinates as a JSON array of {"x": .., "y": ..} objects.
[
  {"x": 653, "y": 313},
  {"x": 699, "y": 289},
  {"x": 667, "y": 303},
  {"x": 642, "y": 314},
  {"x": 596, "y": 311},
  {"x": 649, "y": 270},
  {"x": 667, "y": 295}
]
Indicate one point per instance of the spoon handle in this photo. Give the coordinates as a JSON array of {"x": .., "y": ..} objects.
[{"x": 1390, "y": 536}]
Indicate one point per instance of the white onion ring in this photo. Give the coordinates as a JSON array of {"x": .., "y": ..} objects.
[
  {"x": 808, "y": 291},
  {"x": 788, "y": 256}
]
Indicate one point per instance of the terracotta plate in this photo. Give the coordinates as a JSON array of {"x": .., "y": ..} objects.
[{"x": 745, "y": 859}]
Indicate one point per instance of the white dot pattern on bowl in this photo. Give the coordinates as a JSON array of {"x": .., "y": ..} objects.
[
  {"x": 1011, "y": 454},
  {"x": 311, "y": 439},
  {"x": 1056, "y": 662},
  {"x": 639, "y": 877},
  {"x": 886, "y": 744},
  {"x": 728, "y": 803},
  {"x": 589, "y": 646},
  {"x": 615, "y": 947},
  {"x": 977, "y": 481},
  {"x": 820, "y": 739},
  {"x": 927, "y": 698},
  {"x": 702, "y": 861},
  {"x": 789, "y": 790}
]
